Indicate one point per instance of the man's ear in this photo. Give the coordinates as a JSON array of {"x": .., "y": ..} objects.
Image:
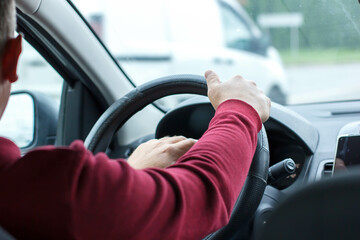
[{"x": 10, "y": 58}]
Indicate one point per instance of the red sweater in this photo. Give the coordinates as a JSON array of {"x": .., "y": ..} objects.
[{"x": 68, "y": 193}]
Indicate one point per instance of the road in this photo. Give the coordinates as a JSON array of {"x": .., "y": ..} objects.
[{"x": 316, "y": 83}]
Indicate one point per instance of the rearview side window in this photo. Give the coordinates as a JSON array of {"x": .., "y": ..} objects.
[{"x": 36, "y": 76}]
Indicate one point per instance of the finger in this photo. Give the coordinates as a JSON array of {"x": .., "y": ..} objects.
[
  {"x": 150, "y": 142},
  {"x": 175, "y": 139},
  {"x": 253, "y": 83},
  {"x": 163, "y": 139},
  {"x": 183, "y": 146},
  {"x": 212, "y": 78}
]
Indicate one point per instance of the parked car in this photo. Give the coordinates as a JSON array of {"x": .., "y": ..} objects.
[{"x": 172, "y": 37}]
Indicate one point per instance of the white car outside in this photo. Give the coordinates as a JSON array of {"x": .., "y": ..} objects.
[{"x": 151, "y": 39}]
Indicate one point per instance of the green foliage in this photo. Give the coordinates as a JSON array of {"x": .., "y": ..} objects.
[
  {"x": 327, "y": 23},
  {"x": 321, "y": 56}
]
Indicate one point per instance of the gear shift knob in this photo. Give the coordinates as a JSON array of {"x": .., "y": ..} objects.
[{"x": 281, "y": 170}]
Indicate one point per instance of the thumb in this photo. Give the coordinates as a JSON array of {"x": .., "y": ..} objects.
[{"x": 212, "y": 78}]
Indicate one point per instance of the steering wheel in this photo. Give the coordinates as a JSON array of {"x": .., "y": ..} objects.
[{"x": 120, "y": 111}]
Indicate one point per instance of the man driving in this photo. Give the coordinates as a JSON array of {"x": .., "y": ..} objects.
[{"x": 171, "y": 188}]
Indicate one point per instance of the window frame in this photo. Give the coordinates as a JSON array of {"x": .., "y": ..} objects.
[{"x": 67, "y": 68}]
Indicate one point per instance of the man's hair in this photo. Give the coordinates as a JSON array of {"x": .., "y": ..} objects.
[{"x": 7, "y": 22}]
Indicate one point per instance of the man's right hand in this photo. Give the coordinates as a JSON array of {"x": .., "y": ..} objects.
[
  {"x": 237, "y": 88},
  {"x": 160, "y": 153}
]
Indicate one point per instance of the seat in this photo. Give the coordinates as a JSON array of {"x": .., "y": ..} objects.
[{"x": 328, "y": 209}]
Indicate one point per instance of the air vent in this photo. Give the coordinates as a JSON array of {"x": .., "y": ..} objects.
[{"x": 327, "y": 170}]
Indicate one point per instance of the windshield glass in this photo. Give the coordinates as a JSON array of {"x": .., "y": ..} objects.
[{"x": 296, "y": 51}]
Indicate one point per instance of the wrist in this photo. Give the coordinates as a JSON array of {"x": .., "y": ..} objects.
[{"x": 240, "y": 106}]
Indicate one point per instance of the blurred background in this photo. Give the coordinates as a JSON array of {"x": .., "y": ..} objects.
[
  {"x": 319, "y": 43},
  {"x": 312, "y": 48}
]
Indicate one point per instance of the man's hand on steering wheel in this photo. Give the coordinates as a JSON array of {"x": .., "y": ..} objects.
[
  {"x": 237, "y": 88},
  {"x": 164, "y": 152},
  {"x": 160, "y": 153}
]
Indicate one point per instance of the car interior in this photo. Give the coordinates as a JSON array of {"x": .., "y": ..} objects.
[{"x": 290, "y": 191}]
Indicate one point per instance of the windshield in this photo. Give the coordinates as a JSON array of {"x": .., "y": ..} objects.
[{"x": 296, "y": 51}]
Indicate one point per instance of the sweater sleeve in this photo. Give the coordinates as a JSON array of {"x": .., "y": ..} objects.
[{"x": 195, "y": 196}]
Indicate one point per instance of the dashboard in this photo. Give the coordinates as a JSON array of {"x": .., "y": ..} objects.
[
  {"x": 305, "y": 133},
  {"x": 328, "y": 119},
  {"x": 289, "y": 134}
]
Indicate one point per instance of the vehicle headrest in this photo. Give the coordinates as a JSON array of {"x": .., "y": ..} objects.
[{"x": 328, "y": 209}]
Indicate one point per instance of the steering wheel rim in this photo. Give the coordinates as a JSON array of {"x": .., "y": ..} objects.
[
  {"x": 115, "y": 116},
  {"x": 120, "y": 111}
]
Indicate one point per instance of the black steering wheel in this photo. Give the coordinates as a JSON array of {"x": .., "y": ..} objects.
[{"x": 119, "y": 112}]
